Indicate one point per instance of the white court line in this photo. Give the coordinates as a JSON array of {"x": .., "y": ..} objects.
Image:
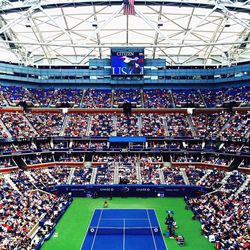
[
  {"x": 124, "y": 234},
  {"x": 161, "y": 230},
  {"x": 125, "y": 218},
  {"x": 121, "y": 227},
  {"x": 128, "y": 209},
  {"x": 87, "y": 230},
  {"x": 93, "y": 242},
  {"x": 151, "y": 230}
]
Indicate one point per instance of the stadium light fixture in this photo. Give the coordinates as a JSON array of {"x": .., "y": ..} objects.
[
  {"x": 94, "y": 24},
  {"x": 27, "y": 23},
  {"x": 160, "y": 23}
]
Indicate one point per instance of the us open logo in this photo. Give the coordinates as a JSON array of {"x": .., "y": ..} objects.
[{"x": 125, "y": 189}]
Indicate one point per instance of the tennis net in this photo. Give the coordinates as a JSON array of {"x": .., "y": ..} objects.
[{"x": 124, "y": 230}]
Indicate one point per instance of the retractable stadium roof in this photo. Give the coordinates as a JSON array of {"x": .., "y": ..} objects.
[{"x": 185, "y": 32}]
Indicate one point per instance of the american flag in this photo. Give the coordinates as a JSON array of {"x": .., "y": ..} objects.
[{"x": 128, "y": 7}]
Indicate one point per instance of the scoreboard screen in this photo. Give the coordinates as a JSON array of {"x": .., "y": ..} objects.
[{"x": 127, "y": 61}]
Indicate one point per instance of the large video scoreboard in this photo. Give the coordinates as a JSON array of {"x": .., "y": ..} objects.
[{"x": 127, "y": 61}]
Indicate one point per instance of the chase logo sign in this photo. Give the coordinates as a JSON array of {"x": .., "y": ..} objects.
[
  {"x": 106, "y": 189},
  {"x": 142, "y": 189}
]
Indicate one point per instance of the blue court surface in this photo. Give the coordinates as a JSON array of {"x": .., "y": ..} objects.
[{"x": 124, "y": 229}]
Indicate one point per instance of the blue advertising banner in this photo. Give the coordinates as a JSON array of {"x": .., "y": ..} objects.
[
  {"x": 130, "y": 190},
  {"x": 127, "y": 61},
  {"x": 127, "y": 139}
]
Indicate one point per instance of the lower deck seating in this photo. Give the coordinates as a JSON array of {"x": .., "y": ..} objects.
[{"x": 20, "y": 212}]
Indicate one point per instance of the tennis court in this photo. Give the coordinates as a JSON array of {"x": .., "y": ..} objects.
[{"x": 124, "y": 229}]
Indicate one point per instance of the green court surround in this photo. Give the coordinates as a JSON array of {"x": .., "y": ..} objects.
[{"x": 71, "y": 229}]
